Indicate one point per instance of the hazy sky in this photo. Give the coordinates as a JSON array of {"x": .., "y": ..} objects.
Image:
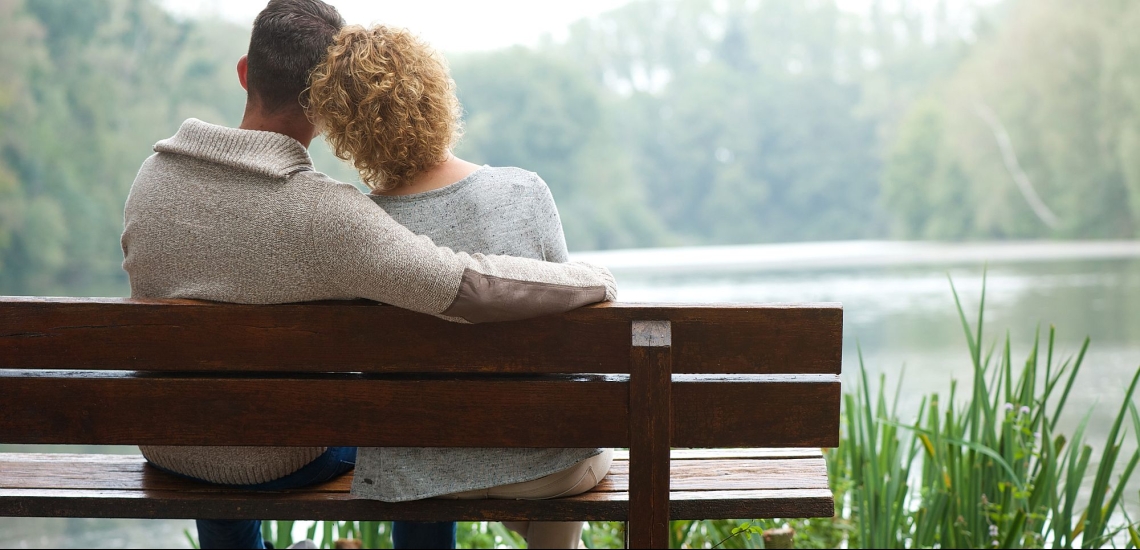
[
  {"x": 448, "y": 24},
  {"x": 467, "y": 25}
]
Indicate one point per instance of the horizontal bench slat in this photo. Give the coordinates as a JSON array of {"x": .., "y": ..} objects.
[
  {"x": 116, "y": 486},
  {"x": 620, "y": 454},
  {"x": 787, "y": 503},
  {"x": 123, "y": 409},
  {"x": 184, "y": 335},
  {"x": 720, "y": 454},
  {"x": 132, "y": 474}
]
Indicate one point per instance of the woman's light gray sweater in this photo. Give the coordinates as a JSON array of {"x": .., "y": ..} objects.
[
  {"x": 241, "y": 216},
  {"x": 493, "y": 211}
]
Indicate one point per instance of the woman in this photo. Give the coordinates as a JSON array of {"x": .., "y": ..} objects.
[{"x": 386, "y": 102}]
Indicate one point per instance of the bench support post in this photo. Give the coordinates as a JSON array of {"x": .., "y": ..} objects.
[{"x": 650, "y": 430}]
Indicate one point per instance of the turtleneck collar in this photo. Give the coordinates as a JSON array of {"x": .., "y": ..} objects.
[{"x": 264, "y": 153}]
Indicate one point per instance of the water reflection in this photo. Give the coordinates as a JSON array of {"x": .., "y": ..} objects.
[
  {"x": 93, "y": 533},
  {"x": 905, "y": 317}
]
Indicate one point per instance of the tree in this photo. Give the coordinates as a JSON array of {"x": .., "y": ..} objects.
[
  {"x": 95, "y": 85},
  {"x": 1037, "y": 120},
  {"x": 540, "y": 112}
]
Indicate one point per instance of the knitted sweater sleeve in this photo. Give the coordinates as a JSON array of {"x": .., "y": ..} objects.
[{"x": 363, "y": 252}]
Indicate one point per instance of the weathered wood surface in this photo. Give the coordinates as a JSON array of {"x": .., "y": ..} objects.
[
  {"x": 704, "y": 487},
  {"x": 651, "y": 430},
  {"x": 225, "y": 374},
  {"x": 58, "y": 407},
  {"x": 185, "y": 335},
  {"x": 128, "y": 472}
]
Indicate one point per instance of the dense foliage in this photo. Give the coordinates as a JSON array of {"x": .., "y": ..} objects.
[
  {"x": 88, "y": 87},
  {"x": 663, "y": 122},
  {"x": 685, "y": 122},
  {"x": 1060, "y": 87}
]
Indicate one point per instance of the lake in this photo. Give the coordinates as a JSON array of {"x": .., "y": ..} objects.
[{"x": 897, "y": 307}]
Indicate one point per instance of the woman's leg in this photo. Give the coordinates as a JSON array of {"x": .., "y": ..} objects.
[
  {"x": 575, "y": 480},
  {"x": 548, "y": 534}
]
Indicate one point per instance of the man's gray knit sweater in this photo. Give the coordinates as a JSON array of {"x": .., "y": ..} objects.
[{"x": 241, "y": 216}]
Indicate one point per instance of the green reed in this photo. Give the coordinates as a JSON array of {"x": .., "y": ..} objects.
[
  {"x": 982, "y": 468},
  {"x": 987, "y": 469}
]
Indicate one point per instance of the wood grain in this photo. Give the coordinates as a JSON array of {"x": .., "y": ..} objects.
[
  {"x": 122, "y": 486},
  {"x": 124, "y": 409},
  {"x": 321, "y": 411},
  {"x": 800, "y": 411},
  {"x": 226, "y": 374},
  {"x": 719, "y": 454},
  {"x": 802, "y": 503},
  {"x": 31, "y": 471},
  {"x": 185, "y": 335},
  {"x": 651, "y": 430}
]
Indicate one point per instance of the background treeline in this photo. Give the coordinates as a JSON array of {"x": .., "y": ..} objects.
[{"x": 664, "y": 122}]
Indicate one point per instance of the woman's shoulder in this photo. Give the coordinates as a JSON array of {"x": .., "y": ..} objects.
[
  {"x": 520, "y": 188},
  {"x": 514, "y": 186},
  {"x": 512, "y": 176}
]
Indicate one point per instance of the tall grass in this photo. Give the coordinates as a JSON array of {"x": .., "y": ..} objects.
[
  {"x": 982, "y": 468},
  {"x": 987, "y": 469}
]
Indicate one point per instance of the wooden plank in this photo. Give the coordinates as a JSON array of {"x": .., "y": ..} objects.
[
  {"x": 709, "y": 477},
  {"x": 730, "y": 475},
  {"x": 298, "y": 505},
  {"x": 186, "y": 335},
  {"x": 70, "y": 459},
  {"x": 800, "y": 411},
  {"x": 802, "y": 503},
  {"x": 23, "y": 471},
  {"x": 721, "y": 454},
  {"x": 798, "y": 503},
  {"x": 620, "y": 455},
  {"x": 767, "y": 340},
  {"x": 337, "y": 410},
  {"x": 650, "y": 428},
  {"x": 122, "y": 486},
  {"x": 50, "y": 407}
]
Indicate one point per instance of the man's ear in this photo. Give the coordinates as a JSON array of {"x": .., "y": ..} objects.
[{"x": 243, "y": 71}]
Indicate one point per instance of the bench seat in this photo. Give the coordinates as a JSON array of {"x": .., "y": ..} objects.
[{"x": 705, "y": 484}]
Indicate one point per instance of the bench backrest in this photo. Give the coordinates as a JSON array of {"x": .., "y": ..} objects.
[{"x": 179, "y": 372}]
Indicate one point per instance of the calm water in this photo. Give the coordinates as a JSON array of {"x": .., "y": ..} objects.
[
  {"x": 904, "y": 318},
  {"x": 898, "y": 307}
]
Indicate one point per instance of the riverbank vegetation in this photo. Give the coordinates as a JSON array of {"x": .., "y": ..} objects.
[{"x": 663, "y": 122}]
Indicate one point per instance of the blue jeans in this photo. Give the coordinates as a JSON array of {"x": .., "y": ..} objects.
[{"x": 336, "y": 461}]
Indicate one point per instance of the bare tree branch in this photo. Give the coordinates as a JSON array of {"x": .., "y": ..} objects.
[{"x": 1014, "y": 167}]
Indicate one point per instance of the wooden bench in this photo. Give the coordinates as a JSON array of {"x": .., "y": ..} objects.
[{"x": 761, "y": 380}]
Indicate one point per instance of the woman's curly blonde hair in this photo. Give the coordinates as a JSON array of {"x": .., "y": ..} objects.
[{"x": 386, "y": 103}]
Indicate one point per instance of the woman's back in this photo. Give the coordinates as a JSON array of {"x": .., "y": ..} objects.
[
  {"x": 492, "y": 211},
  {"x": 387, "y": 103},
  {"x": 506, "y": 211}
]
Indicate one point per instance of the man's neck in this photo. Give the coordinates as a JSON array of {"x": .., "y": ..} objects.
[{"x": 292, "y": 123}]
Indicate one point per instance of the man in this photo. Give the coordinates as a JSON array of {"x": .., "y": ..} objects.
[{"x": 240, "y": 215}]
